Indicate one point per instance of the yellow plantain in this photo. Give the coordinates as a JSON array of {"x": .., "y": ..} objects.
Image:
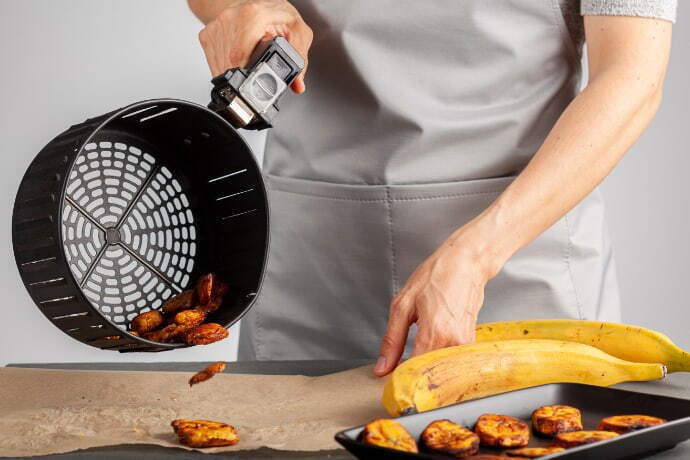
[
  {"x": 631, "y": 343},
  {"x": 465, "y": 372}
]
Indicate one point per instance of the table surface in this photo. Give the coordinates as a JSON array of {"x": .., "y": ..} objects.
[{"x": 676, "y": 385}]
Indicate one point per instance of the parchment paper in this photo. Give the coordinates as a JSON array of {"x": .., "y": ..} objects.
[{"x": 53, "y": 411}]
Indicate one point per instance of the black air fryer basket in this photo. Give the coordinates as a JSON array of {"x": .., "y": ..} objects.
[{"x": 119, "y": 213}]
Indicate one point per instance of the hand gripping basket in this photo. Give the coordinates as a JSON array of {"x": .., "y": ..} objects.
[{"x": 119, "y": 213}]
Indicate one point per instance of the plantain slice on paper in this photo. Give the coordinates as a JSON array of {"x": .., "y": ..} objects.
[
  {"x": 388, "y": 433},
  {"x": 207, "y": 373},
  {"x": 147, "y": 322},
  {"x": 622, "y": 424},
  {"x": 443, "y": 437},
  {"x": 551, "y": 420},
  {"x": 533, "y": 452},
  {"x": 580, "y": 438},
  {"x": 501, "y": 431},
  {"x": 204, "y": 433}
]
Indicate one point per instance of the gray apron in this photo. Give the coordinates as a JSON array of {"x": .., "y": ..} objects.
[{"x": 416, "y": 116}]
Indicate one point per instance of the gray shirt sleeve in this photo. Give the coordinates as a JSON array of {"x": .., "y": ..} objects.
[{"x": 661, "y": 9}]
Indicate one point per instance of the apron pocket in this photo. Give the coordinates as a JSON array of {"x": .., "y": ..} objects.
[
  {"x": 536, "y": 282},
  {"x": 327, "y": 285}
]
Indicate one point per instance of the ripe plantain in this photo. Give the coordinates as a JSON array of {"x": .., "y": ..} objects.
[
  {"x": 631, "y": 343},
  {"x": 465, "y": 372}
]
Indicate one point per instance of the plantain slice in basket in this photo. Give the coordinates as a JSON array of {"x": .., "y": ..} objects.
[
  {"x": 622, "y": 424},
  {"x": 204, "y": 334},
  {"x": 551, "y": 420},
  {"x": 501, "y": 431},
  {"x": 189, "y": 318},
  {"x": 388, "y": 433},
  {"x": 580, "y": 438},
  {"x": 443, "y": 437},
  {"x": 146, "y": 322},
  {"x": 182, "y": 301},
  {"x": 533, "y": 452},
  {"x": 172, "y": 333},
  {"x": 204, "y": 433}
]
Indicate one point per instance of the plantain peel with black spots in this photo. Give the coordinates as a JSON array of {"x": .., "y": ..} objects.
[{"x": 461, "y": 373}]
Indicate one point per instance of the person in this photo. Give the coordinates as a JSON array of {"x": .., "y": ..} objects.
[{"x": 440, "y": 164}]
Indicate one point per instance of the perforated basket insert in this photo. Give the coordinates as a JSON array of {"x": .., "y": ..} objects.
[{"x": 116, "y": 215}]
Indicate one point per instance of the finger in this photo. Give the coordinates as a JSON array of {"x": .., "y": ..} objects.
[
  {"x": 393, "y": 342},
  {"x": 301, "y": 40},
  {"x": 209, "y": 51}
]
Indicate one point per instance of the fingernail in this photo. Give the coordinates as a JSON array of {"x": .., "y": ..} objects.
[{"x": 380, "y": 365}]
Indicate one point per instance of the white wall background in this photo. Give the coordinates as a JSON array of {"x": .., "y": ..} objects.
[{"x": 62, "y": 61}]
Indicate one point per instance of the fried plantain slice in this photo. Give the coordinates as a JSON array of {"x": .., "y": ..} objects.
[
  {"x": 551, "y": 420},
  {"x": 580, "y": 438},
  {"x": 493, "y": 457},
  {"x": 172, "y": 333},
  {"x": 388, "y": 433},
  {"x": 207, "y": 373},
  {"x": 216, "y": 299},
  {"x": 182, "y": 301},
  {"x": 622, "y": 424},
  {"x": 205, "y": 287},
  {"x": 146, "y": 322},
  {"x": 204, "y": 433},
  {"x": 189, "y": 317},
  {"x": 501, "y": 431},
  {"x": 443, "y": 437},
  {"x": 203, "y": 334},
  {"x": 533, "y": 452}
]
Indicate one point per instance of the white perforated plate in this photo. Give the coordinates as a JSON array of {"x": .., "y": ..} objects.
[{"x": 127, "y": 229}]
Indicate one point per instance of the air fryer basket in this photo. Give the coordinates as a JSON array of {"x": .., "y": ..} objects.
[{"x": 119, "y": 213}]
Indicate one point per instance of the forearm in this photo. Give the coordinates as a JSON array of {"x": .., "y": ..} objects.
[
  {"x": 588, "y": 140},
  {"x": 207, "y": 10}
]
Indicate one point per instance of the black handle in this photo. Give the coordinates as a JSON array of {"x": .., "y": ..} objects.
[{"x": 248, "y": 96}]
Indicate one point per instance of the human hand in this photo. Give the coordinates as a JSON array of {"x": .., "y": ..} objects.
[
  {"x": 443, "y": 297},
  {"x": 229, "y": 39}
]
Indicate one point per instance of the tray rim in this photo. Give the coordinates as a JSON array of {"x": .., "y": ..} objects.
[{"x": 343, "y": 439}]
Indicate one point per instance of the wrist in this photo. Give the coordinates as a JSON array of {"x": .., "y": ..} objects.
[{"x": 481, "y": 242}]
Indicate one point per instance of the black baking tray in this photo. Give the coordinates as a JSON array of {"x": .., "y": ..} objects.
[{"x": 594, "y": 402}]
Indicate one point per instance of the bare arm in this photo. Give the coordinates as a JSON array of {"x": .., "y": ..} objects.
[
  {"x": 208, "y": 10},
  {"x": 627, "y": 63},
  {"x": 628, "y": 57},
  {"x": 235, "y": 27}
]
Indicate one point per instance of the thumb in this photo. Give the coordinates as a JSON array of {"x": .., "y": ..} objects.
[{"x": 393, "y": 343}]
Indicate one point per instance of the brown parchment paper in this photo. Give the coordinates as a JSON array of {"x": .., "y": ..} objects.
[{"x": 53, "y": 411}]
